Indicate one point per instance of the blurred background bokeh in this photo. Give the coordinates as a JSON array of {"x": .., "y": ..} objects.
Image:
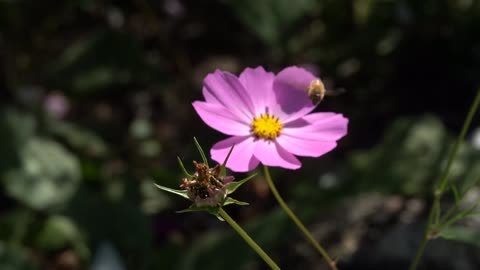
[{"x": 95, "y": 106}]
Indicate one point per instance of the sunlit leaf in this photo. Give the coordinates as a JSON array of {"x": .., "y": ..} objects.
[
  {"x": 231, "y": 187},
  {"x": 182, "y": 193},
  {"x": 230, "y": 200}
]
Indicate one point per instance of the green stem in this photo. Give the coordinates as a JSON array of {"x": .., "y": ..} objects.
[
  {"x": 424, "y": 241},
  {"x": 297, "y": 221},
  {"x": 248, "y": 239},
  {"x": 458, "y": 143},
  {"x": 440, "y": 189}
]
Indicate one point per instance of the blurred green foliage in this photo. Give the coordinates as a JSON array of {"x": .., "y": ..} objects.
[
  {"x": 411, "y": 157},
  {"x": 457, "y": 233},
  {"x": 96, "y": 104}
]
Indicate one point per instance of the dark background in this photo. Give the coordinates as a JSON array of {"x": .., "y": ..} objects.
[{"x": 95, "y": 105}]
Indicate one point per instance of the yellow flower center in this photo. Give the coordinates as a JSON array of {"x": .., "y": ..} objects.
[{"x": 266, "y": 126}]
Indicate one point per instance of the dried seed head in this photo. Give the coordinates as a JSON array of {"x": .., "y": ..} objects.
[{"x": 206, "y": 187}]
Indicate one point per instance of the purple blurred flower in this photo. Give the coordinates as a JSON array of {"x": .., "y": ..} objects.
[
  {"x": 268, "y": 118},
  {"x": 57, "y": 105}
]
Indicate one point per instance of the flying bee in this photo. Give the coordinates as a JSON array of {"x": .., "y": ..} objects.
[{"x": 316, "y": 92}]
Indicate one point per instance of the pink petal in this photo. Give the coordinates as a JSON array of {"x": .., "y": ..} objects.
[
  {"x": 305, "y": 147},
  {"x": 318, "y": 126},
  {"x": 221, "y": 119},
  {"x": 241, "y": 159},
  {"x": 271, "y": 154},
  {"x": 290, "y": 87},
  {"x": 258, "y": 84},
  {"x": 225, "y": 89}
]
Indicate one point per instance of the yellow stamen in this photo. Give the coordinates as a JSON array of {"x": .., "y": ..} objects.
[{"x": 266, "y": 126}]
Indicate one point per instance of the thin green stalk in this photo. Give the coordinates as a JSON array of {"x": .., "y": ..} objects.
[
  {"x": 459, "y": 216},
  {"x": 440, "y": 189},
  {"x": 248, "y": 239},
  {"x": 448, "y": 214},
  {"x": 454, "y": 208},
  {"x": 297, "y": 221},
  {"x": 458, "y": 143},
  {"x": 424, "y": 241}
]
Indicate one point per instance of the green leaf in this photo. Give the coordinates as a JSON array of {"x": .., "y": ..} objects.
[
  {"x": 231, "y": 187},
  {"x": 462, "y": 234},
  {"x": 204, "y": 158},
  {"x": 230, "y": 200},
  {"x": 181, "y": 193}
]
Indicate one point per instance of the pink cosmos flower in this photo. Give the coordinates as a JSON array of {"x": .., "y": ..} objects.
[{"x": 268, "y": 118}]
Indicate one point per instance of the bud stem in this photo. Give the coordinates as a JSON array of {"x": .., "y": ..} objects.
[
  {"x": 331, "y": 263},
  {"x": 248, "y": 239}
]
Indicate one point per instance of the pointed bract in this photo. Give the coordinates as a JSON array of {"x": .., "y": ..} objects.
[
  {"x": 200, "y": 150},
  {"x": 231, "y": 200},
  {"x": 183, "y": 167},
  {"x": 234, "y": 185},
  {"x": 223, "y": 171},
  {"x": 179, "y": 192}
]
